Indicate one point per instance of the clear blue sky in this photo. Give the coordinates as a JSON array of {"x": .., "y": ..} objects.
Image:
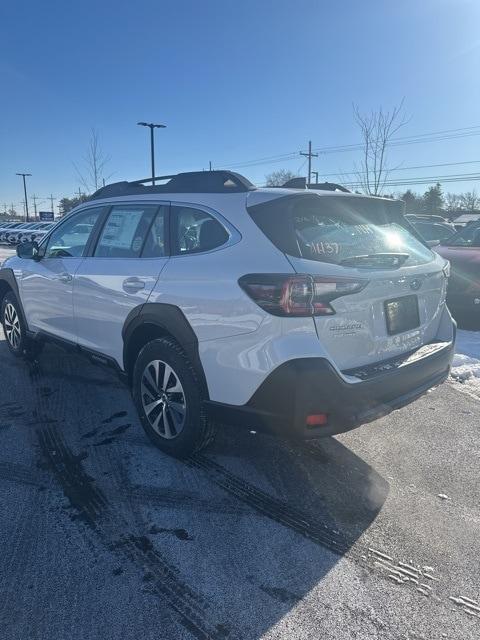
[{"x": 234, "y": 81}]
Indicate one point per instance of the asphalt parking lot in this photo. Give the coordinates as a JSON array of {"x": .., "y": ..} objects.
[{"x": 373, "y": 534}]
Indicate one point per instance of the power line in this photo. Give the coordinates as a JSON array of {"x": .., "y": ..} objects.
[
  {"x": 434, "y": 136},
  {"x": 420, "y": 166},
  {"x": 397, "y": 142},
  {"x": 459, "y": 177}
]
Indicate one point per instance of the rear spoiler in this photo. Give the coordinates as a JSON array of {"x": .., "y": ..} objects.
[{"x": 301, "y": 183}]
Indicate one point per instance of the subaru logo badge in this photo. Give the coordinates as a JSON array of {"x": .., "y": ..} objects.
[{"x": 415, "y": 284}]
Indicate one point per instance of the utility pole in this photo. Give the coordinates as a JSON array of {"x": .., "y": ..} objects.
[
  {"x": 315, "y": 173},
  {"x": 210, "y": 165},
  {"x": 152, "y": 126},
  {"x": 79, "y": 193},
  {"x": 309, "y": 155},
  {"x": 35, "y": 198},
  {"x": 25, "y": 192},
  {"x": 51, "y": 198}
]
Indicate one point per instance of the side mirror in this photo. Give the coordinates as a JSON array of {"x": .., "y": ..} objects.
[
  {"x": 29, "y": 251},
  {"x": 433, "y": 243}
]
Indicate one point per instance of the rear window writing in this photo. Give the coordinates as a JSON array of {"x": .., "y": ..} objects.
[{"x": 337, "y": 229}]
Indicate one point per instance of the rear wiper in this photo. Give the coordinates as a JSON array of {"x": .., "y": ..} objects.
[{"x": 389, "y": 260}]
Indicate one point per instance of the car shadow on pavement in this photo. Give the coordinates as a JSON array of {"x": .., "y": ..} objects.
[
  {"x": 322, "y": 476},
  {"x": 231, "y": 539}
]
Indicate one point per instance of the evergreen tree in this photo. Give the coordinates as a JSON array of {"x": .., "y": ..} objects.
[
  {"x": 433, "y": 200},
  {"x": 413, "y": 203}
]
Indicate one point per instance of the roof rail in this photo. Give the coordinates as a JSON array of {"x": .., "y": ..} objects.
[
  {"x": 301, "y": 183},
  {"x": 188, "y": 182}
]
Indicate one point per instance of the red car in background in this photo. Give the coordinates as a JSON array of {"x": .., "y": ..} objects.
[{"x": 463, "y": 252}]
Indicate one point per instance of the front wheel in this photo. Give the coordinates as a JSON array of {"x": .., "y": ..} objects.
[
  {"x": 169, "y": 399},
  {"x": 15, "y": 330}
]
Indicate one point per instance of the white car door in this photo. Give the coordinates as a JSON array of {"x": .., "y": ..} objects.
[
  {"x": 119, "y": 274},
  {"x": 46, "y": 285}
]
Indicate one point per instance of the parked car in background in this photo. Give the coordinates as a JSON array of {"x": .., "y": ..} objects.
[
  {"x": 35, "y": 232},
  {"x": 5, "y": 236},
  {"x": 463, "y": 252},
  {"x": 13, "y": 237},
  {"x": 466, "y": 219},
  {"x": 433, "y": 231},
  {"x": 6, "y": 227}
]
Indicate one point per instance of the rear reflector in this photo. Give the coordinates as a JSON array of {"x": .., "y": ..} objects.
[{"x": 316, "y": 420}]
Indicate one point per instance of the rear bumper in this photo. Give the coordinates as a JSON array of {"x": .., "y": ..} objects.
[{"x": 306, "y": 386}]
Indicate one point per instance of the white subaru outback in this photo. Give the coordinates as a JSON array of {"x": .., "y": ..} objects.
[{"x": 302, "y": 312}]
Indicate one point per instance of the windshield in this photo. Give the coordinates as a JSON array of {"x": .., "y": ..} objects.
[
  {"x": 341, "y": 230},
  {"x": 434, "y": 231},
  {"x": 467, "y": 237}
]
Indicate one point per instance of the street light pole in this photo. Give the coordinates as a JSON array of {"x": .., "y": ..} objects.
[
  {"x": 152, "y": 126},
  {"x": 25, "y": 192}
]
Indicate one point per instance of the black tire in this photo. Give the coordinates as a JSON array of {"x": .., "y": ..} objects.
[
  {"x": 179, "y": 431},
  {"x": 20, "y": 345}
]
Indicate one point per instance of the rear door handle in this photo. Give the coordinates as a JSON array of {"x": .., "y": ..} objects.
[
  {"x": 65, "y": 277},
  {"x": 133, "y": 285}
]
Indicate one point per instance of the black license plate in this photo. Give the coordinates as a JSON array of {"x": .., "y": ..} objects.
[{"x": 402, "y": 314}]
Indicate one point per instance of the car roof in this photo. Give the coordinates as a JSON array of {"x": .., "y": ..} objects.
[
  {"x": 225, "y": 192},
  {"x": 223, "y": 202}
]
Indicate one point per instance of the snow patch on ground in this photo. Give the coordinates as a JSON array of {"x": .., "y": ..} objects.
[{"x": 466, "y": 362}]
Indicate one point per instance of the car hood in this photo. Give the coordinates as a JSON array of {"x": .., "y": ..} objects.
[{"x": 467, "y": 258}]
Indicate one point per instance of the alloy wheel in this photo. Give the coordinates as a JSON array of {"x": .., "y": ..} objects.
[
  {"x": 163, "y": 399},
  {"x": 12, "y": 326}
]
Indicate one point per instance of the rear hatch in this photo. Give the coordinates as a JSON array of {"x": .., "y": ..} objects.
[{"x": 381, "y": 291}]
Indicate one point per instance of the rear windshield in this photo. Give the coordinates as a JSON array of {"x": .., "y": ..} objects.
[{"x": 341, "y": 230}]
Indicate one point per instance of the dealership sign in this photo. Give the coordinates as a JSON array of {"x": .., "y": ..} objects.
[{"x": 46, "y": 216}]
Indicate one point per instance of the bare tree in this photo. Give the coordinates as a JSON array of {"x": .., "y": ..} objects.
[
  {"x": 377, "y": 129},
  {"x": 469, "y": 201},
  {"x": 452, "y": 201},
  {"x": 95, "y": 161},
  {"x": 279, "y": 178}
]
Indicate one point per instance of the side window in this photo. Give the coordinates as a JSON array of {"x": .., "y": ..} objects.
[
  {"x": 71, "y": 237},
  {"x": 196, "y": 231},
  {"x": 155, "y": 244},
  {"x": 125, "y": 231}
]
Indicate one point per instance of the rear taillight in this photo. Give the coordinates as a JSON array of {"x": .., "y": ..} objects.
[{"x": 297, "y": 295}]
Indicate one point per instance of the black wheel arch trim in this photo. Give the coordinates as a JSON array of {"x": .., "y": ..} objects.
[
  {"x": 170, "y": 319},
  {"x": 7, "y": 275}
]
